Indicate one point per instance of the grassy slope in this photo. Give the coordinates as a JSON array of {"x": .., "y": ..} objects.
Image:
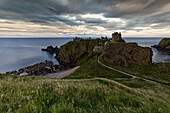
[
  {"x": 164, "y": 43},
  {"x": 36, "y": 94},
  {"x": 159, "y": 72},
  {"x": 91, "y": 68}
]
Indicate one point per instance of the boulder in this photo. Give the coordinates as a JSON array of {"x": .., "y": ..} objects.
[{"x": 127, "y": 54}]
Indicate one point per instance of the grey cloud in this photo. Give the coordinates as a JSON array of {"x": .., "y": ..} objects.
[
  {"x": 132, "y": 8},
  {"x": 91, "y": 21},
  {"x": 110, "y": 8},
  {"x": 51, "y": 12}
]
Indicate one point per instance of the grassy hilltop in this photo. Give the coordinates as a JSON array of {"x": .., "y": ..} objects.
[
  {"x": 37, "y": 94},
  {"x": 164, "y": 43}
]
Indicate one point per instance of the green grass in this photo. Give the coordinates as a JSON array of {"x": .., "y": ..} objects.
[
  {"x": 158, "y": 91},
  {"x": 76, "y": 93},
  {"x": 90, "y": 68},
  {"x": 164, "y": 43},
  {"x": 36, "y": 94},
  {"x": 159, "y": 72},
  {"x": 137, "y": 83}
]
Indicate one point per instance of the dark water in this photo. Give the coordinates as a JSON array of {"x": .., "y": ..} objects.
[{"x": 19, "y": 53}]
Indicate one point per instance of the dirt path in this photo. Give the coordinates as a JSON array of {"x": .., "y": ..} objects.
[
  {"x": 62, "y": 74},
  {"x": 133, "y": 76}
]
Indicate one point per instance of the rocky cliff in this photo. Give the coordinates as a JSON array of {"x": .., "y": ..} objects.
[
  {"x": 163, "y": 45},
  {"x": 127, "y": 54},
  {"x": 71, "y": 52}
]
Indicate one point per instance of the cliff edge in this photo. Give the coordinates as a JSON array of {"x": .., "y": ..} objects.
[
  {"x": 127, "y": 54},
  {"x": 73, "y": 51}
]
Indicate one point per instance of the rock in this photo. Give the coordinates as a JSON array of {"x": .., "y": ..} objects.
[
  {"x": 22, "y": 70},
  {"x": 73, "y": 51},
  {"x": 127, "y": 54},
  {"x": 59, "y": 67},
  {"x": 51, "y": 49},
  {"x": 41, "y": 68},
  {"x": 163, "y": 45}
]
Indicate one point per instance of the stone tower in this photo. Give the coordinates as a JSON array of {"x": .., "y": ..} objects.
[{"x": 116, "y": 36}]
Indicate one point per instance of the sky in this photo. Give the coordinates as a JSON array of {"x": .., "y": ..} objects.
[{"x": 84, "y": 18}]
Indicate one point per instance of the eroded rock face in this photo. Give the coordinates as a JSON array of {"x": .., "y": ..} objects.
[
  {"x": 127, "y": 54},
  {"x": 71, "y": 52}
]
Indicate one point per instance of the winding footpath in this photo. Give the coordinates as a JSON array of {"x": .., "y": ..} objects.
[{"x": 133, "y": 76}]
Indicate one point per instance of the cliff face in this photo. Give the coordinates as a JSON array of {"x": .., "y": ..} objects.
[
  {"x": 127, "y": 54},
  {"x": 163, "y": 45},
  {"x": 71, "y": 52}
]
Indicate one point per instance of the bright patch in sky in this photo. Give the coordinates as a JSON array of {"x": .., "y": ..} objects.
[{"x": 84, "y": 18}]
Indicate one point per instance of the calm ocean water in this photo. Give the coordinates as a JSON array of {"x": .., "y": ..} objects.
[{"x": 19, "y": 52}]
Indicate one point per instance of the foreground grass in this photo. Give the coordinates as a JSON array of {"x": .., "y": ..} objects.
[
  {"x": 152, "y": 90},
  {"x": 36, "y": 94},
  {"x": 90, "y": 68}
]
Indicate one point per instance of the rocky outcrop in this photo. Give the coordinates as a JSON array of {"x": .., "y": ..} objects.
[
  {"x": 73, "y": 51},
  {"x": 127, "y": 54},
  {"x": 39, "y": 69},
  {"x": 51, "y": 49},
  {"x": 163, "y": 45}
]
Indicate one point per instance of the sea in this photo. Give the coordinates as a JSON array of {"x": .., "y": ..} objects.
[{"x": 16, "y": 53}]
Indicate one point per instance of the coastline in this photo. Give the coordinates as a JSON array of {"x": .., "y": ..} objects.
[{"x": 23, "y": 60}]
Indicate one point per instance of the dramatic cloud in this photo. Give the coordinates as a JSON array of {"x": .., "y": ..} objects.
[{"x": 84, "y": 17}]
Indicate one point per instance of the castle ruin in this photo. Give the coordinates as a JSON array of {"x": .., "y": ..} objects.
[{"x": 116, "y": 36}]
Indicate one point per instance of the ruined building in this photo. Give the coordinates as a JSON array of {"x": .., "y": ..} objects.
[{"x": 116, "y": 37}]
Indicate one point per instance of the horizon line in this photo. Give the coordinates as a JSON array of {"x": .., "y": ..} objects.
[{"x": 91, "y": 37}]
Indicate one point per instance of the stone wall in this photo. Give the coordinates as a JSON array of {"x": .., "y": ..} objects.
[{"x": 116, "y": 36}]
